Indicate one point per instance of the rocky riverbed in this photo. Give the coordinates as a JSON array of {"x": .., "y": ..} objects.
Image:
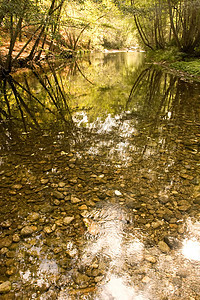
[
  {"x": 81, "y": 226},
  {"x": 100, "y": 197}
]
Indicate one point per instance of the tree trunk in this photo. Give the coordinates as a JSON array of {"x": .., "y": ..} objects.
[{"x": 172, "y": 25}]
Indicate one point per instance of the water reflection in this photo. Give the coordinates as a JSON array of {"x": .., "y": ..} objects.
[{"x": 105, "y": 171}]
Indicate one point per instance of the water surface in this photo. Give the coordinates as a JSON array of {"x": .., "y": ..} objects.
[{"x": 100, "y": 186}]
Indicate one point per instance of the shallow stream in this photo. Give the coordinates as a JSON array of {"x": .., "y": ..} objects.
[{"x": 100, "y": 182}]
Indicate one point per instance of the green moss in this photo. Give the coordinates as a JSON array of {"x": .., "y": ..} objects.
[
  {"x": 169, "y": 55},
  {"x": 191, "y": 67}
]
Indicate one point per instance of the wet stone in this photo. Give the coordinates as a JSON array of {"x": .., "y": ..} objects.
[
  {"x": 83, "y": 207},
  {"x": 5, "y": 242},
  {"x": 44, "y": 181},
  {"x": 75, "y": 200},
  {"x": 57, "y": 250},
  {"x": 163, "y": 247},
  {"x": 197, "y": 200},
  {"x": 6, "y": 224},
  {"x": 183, "y": 205},
  {"x": 58, "y": 195},
  {"x": 157, "y": 224},
  {"x": 4, "y": 250},
  {"x": 32, "y": 217},
  {"x": 17, "y": 187},
  {"x": 150, "y": 259},
  {"x": 10, "y": 271},
  {"x": 49, "y": 229},
  {"x": 61, "y": 184},
  {"x": 68, "y": 220},
  {"x": 56, "y": 202},
  {"x": 28, "y": 230},
  {"x": 80, "y": 279},
  {"x": 173, "y": 242},
  {"x": 10, "y": 254},
  {"x": 5, "y": 287}
]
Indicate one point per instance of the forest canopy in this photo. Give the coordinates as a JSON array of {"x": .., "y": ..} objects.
[{"x": 34, "y": 29}]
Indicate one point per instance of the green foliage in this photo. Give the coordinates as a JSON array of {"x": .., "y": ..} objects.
[
  {"x": 169, "y": 54},
  {"x": 191, "y": 67},
  {"x": 96, "y": 25}
]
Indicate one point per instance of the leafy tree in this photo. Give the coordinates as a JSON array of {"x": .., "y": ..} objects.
[
  {"x": 37, "y": 22},
  {"x": 161, "y": 23},
  {"x": 185, "y": 24}
]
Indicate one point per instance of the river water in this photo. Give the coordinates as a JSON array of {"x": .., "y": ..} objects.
[{"x": 100, "y": 183}]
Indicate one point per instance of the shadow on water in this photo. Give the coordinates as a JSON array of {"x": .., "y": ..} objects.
[{"x": 100, "y": 186}]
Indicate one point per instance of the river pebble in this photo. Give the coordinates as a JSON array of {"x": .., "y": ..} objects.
[
  {"x": 68, "y": 220},
  {"x": 28, "y": 230},
  {"x": 163, "y": 247},
  {"x": 5, "y": 287}
]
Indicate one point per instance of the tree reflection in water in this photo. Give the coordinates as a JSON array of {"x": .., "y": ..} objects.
[{"x": 126, "y": 148}]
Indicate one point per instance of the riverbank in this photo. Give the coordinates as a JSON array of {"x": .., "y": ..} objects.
[{"x": 176, "y": 63}]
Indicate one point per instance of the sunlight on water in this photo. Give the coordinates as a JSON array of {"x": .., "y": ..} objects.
[
  {"x": 120, "y": 249},
  {"x": 191, "y": 246},
  {"x": 191, "y": 249},
  {"x": 118, "y": 289}
]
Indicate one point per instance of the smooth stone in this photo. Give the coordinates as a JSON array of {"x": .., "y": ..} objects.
[
  {"x": 157, "y": 224},
  {"x": 17, "y": 187},
  {"x": 34, "y": 216},
  {"x": 61, "y": 184},
  {"x": 44, "y": 181},
  {"x": 28, "y": 230},
  {"x": 172, "y": 242},
  {"x": 48, "y": 229},
  {"x": 58, "y": 195},
  {"x": 118, "y": 193},
  {"x": 150, "y": 258},
  {"x": 183, "y": 205},
  {"x": 57, "y": 250},
  {"x": 75, "y": 200},
  {"x": 197, "y": 201},
  {"x": 6, "y": 224},
  {"x": 5, "y": 242},
  {"x": 5, "y": 287},
  {"x": 163, "y": 247},
  {"x": 56, "y": 202},
  {"x": 59, "y": 222},
  {"x": 72, "y": 253},
  {"x": 83, "y": 207},
  {"x": 68, "y": 220},
  {"x": 10, "y": 254},
  {"x": 4, "y": 250},
  {"x": 80, "y": 278},
  {"x": 146, "y": 279},
  {"x": 98, "y": 278}
]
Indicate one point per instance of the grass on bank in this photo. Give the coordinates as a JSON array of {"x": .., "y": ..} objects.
[
  {"x": 191, "y": 67},
  {"x": 177, "y": 61}
]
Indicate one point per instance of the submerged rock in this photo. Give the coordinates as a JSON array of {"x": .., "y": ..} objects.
[
  {"x": 163, "y": 247},
  {"x": 172, "y": 242},
  {"x": 5, "y": 242},
  {"x": 33, "y": 217},
  {"x": 28, "y": 230},
  {"x": 80, "y": 279},
  {"x": 75, "y": 200},
  {"x": 68, "y": 220},
  {"x": 5, "y": 287},
  {"x": 6, "y": 224},
  {"x": 17, "y": 187},
  {"x": 58, "y": 195},
  {"x": 183, "y": 205}
]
